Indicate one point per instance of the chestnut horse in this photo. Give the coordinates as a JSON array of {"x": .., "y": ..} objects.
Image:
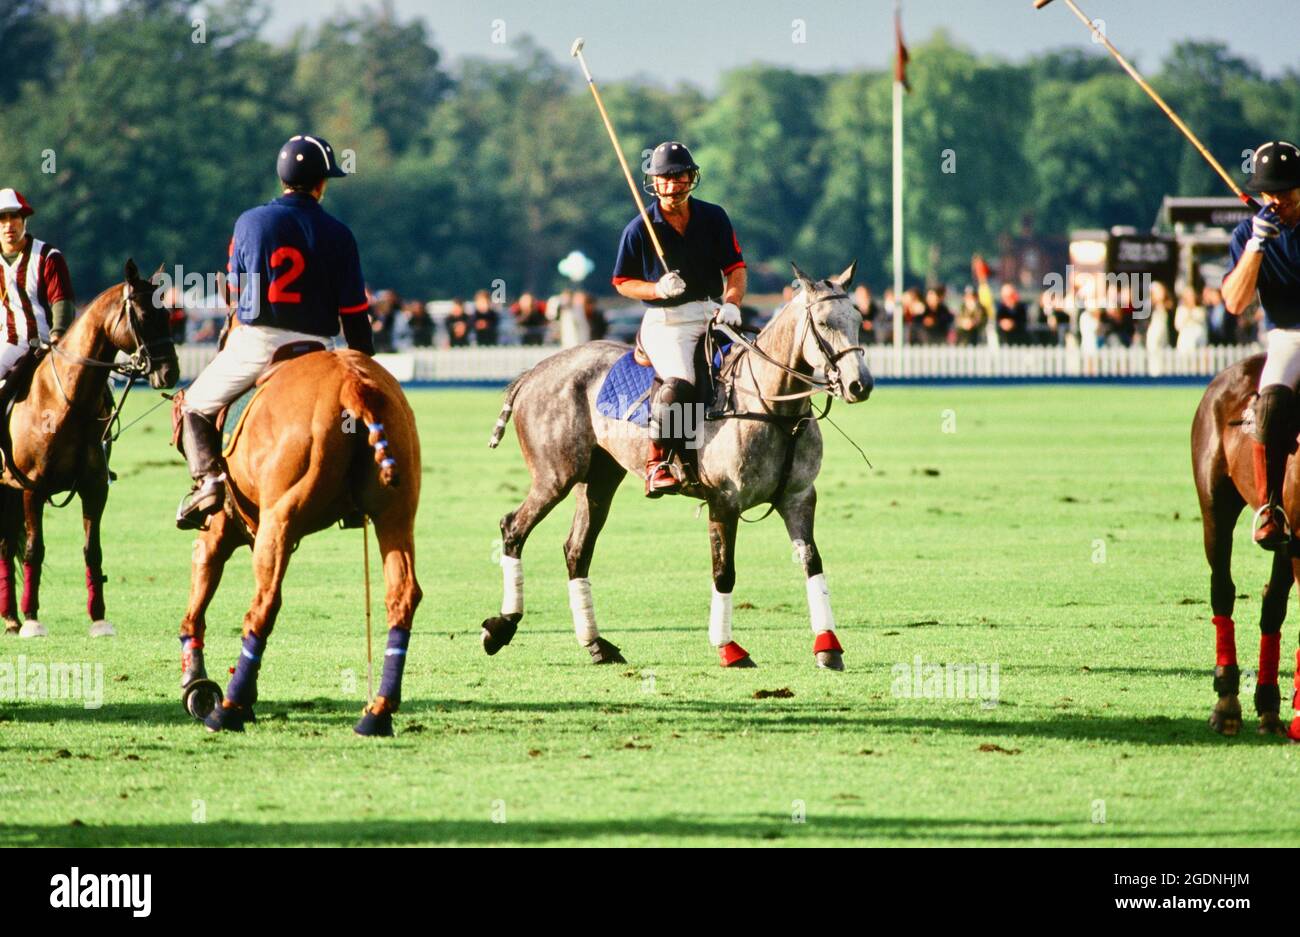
[
  {"x": 1223, "y": 467},
  {"x": 57, "y": 432},
  {"x": 300, "y": 464}
]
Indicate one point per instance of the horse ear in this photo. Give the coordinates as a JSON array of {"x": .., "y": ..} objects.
[
  {"x": 131, "y": 270},
  {"x": 803, "y": 279},
  {"x": 845, "y": 278},
  {"x": 163, "y": 266}
]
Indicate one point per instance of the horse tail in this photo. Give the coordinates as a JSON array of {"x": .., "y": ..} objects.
[
  {"x": 506, "y": 409},
  {"x": 361, "y": 396}
]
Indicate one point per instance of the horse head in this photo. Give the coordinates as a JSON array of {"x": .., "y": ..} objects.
[
  {"x": 829, "y": 331},
  {"x": 142, "y": 329}
]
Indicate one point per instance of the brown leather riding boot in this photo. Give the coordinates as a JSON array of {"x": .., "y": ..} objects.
[
  {"x": 659, "y": 479},
  {"x": 1271, "y": 531}
]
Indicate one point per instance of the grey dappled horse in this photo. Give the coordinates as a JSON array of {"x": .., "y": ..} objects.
[{"x": 742, "y": 461}]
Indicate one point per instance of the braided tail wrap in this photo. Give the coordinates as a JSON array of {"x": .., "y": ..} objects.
[
  {"x": 506, "y": 409},
  {"x": 361, "y": 396}
]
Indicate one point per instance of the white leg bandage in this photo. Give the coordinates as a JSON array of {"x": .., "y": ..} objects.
[
  {"x": 584, "y": 612},
  {"x": 512, "y": 573},
  {"x": 819, "y": 604},
  {"x": 720, "y": 619}
]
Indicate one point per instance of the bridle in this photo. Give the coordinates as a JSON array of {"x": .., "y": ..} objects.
[{"x": 833, "y": 384}]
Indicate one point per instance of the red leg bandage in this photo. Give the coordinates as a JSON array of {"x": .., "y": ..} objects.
[
  {"x": 826, "y": 641},
  {"x": 1225, "y": 641},
  {"x": 1270, "y": 649}
]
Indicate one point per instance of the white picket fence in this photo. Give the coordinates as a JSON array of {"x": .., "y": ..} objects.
[{"x": 917, "y": 362}]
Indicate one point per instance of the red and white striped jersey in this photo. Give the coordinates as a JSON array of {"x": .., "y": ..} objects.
[{"x": 29, "y": 287}]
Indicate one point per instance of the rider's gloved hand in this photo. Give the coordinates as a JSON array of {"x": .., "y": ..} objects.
[
  {"x": 670, "y": 285},
  {"x": 729, "y": 314},
  {"x": 1263, "y": 227}
]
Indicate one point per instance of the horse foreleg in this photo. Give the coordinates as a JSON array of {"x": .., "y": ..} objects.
[
  {"x": 94, "y": 495},
  {"x": 402, "y": 596},
  {"x": 545, "y": 493},
  {"x": 723, "y": 521},
  {"x": 211, "y": 550},
  {"x": 1218, "y": 516},
  {"x": 271, "y": 550},
  {"x": 34, "y": 556},
  {"x": 798, "y": 512},
  {"x": 593, "y": 500},
  {"x": 1268, "y": 698}
]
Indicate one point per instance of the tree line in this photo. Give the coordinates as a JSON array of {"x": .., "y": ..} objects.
[{"x": 146, "y": 127}]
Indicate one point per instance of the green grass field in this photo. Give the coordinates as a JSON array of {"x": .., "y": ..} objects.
[{"x": 1054, "y": 534}]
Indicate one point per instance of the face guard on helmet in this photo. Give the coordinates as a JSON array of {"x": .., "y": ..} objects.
[{"x": 670, "y": 159}]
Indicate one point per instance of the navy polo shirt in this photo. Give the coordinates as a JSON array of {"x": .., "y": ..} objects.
[
  {"x": 306, "y": 265},
  {"x": 703, "y": 255},
  {"x": 1279, "y": 273}
]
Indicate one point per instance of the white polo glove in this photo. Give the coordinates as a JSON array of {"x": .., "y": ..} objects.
[
  {"x": 1262, "y": 229},
  {"x": 728, "y": 314},
  {"x": 670, "y": 285}
]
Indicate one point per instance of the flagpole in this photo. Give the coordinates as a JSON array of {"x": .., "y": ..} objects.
[{"x": 898, "y": 216}]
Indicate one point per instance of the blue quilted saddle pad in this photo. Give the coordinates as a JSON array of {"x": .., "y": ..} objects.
[{"x": 625, "y": 395}]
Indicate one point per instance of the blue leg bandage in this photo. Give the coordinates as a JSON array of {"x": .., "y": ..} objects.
[
  {"x": 390, "y": 685},
  {"x": 243, "y": 685}
]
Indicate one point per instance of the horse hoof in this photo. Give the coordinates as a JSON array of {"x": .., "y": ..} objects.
[
  {"x": 498, "y": 631},
  {"x": 11, "y": 626},
  {"x": 602, "y": 652},
  {"x": 1270, "y": 724},
  {"x": 732, "y": 654},
  {"x": 103, "y": 629},
  {"x": 1226, "y": 722},
  {"x": 32, "y": 629},
  {"x": 200, "y": 697},
  {"x": 830, "y": 660},
  {"x": 228, "y": 718},
  {"x": 377, "y": 725}
]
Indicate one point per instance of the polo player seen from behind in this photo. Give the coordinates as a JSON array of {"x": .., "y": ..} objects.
[
  {"x": 297, "y": 272},
  {"x": 702, "y": 252}
]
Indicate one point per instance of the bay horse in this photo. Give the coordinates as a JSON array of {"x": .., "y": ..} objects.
[
  {"x": 770, "y": 452},
  {"x": 300, "y": 463},
  {"x": 1222, "y": 465},
  {"x": 56, "y": 432}
]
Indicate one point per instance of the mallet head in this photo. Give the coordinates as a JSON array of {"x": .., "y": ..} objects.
[
  {"x": 577, "y": 47},
  {"x": 1039, "y": 4}
]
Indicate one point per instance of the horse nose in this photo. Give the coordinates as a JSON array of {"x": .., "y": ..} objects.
[{"x": 860, "y": 391}]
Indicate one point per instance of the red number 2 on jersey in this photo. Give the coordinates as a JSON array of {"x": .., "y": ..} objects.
[{"x": 278, "y": 293}]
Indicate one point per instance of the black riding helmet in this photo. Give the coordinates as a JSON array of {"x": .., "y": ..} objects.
[
  {"x": 1276, "y": 168},
  {"x": 306, "y": 160},
  {"x": 669, "y": 159}
]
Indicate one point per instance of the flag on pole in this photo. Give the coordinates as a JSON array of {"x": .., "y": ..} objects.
[{"x": 900, "y": 53}]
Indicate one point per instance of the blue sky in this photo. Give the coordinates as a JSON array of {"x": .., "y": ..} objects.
[{"x": 696, "y": 42}]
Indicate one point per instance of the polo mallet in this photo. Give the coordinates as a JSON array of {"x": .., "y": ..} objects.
[
  {"x": 576, "y": 52},
  {"x": 370, "y": 660},
  {"x": 1160, "y": 102}
]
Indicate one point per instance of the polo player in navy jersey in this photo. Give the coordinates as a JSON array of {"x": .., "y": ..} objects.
[
  {"x": 705, "y": 268},
  {"x": 297, "y": 273},
  {"x": 1265, "y": 253}
]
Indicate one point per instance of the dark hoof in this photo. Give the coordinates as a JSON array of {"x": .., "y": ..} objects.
[
  {"x": 602, "y": 652},
  {"x": 1226, "y": 721},
  {"x": 830, "y": 660},
  {"x": 200, "y": 697},
  {"x": 370, "y": 724},
  {"x": 497, "y": 632},
  {"x": 743, "y": 663},
  {"x": 228, "y": 718},
  {"x": 1270, "y": 724}
]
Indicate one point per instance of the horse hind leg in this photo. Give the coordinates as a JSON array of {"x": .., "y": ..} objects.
[
  {"x": 395, "y": 533},
  {"x": 271, "y": 550},
  {"x": 545, "y": 494},
  {"x": 593, "y": 499},
  {"x": 723, "y": 521},
  {"x": 1218, "y": 517}
]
